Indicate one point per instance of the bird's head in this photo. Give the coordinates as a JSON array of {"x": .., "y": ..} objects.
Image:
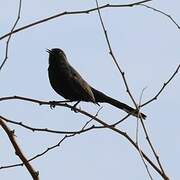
[{"x": 56, "y": 55}]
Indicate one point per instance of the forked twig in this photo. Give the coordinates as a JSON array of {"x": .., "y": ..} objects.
[
  {"x": 68, "y": 134},
  {"x": 112, "y": 55},
  {"x": 18, "y": 150},
  {"x": 10, "y": 34},
  {"x": 113, "y": 128},
  {"x": 164, "y": 85},
  {"x": 137, "y": 140},
  {"x": 40, "y": 154},
  {"x": 161, "y": 12},
  {"x": 72, "y": 13},
  {"x": 129, "y": 93}
]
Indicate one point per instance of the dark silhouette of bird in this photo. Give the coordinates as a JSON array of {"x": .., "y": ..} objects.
[{"x": 67, "y": 82}]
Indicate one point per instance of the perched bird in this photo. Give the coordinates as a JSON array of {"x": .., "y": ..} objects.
[{"x": 67, "y": 82}]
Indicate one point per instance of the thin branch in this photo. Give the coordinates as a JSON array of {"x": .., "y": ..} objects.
[
  {"x": 143, "y": 125},
  {"x": 137, "y": 125},
  {"x": 72, "y": 13},
  {"x": 83, "y": 130},
  {"x": 68, "y": 135},
  {"x": 163, "y": 87},
  {"x": 149, "y": 142},
  {"x": 10, "y": 34},
  {"x": 129, "y": 93},
  {"x": 124, "y": 134},
  {"x": 112, "y": 55},
  {"x": 121, "y": 120},
  {"x": 46, "y": 129},
  {"x": 40, "y": 154},
  {"x": 161, "y": 12},
  {"x": 120, "y": 70},
  {"x": 143, "y": 160},
  {"x": 18, "y": 151},
  {"x": 92, "y": 119},
  {"x": 41, "y": 102},
  {"x": 137, "y": 140}
]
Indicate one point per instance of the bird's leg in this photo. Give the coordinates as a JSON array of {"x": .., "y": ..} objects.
[
  {"x": 54, "y": 103},
  {"x": 74, "y": 106}
]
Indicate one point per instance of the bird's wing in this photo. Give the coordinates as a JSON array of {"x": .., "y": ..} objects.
[{"x": 82, "y": 87}]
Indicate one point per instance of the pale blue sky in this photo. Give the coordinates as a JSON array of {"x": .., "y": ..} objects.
[{"x": 146, "y": 45}]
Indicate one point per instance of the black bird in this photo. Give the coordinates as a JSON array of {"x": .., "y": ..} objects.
[{"x": 67, "y": 82}]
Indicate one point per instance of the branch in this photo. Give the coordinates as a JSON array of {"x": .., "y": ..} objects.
[
  {"x": 10, "y": 34},
  {"x": 83, "y": 130},
  {"x": 18, "y": 151},
  {"x": 130, "y": 95},
  {"x": 161, "y": 12},
  {"x": 68, "y": 135},
  {"x": 142, "y": 123},
  {"x": 40, "y": 154},
  {"x": 124, "y": 134},
  {"x": 163, "y": 87},
  {"x": 72, "y": 13},
  {"x": 113, "y": 57}
]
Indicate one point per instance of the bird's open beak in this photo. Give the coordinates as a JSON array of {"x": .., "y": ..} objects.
[{"x": 49, "y": 51}]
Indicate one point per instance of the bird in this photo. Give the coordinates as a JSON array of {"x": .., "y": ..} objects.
[{"x": 68, "y": 83}]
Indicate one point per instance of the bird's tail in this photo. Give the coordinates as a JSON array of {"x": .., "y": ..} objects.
[{"x": 101, "y": 97}]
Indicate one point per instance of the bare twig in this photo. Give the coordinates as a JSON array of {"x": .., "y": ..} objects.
[
  {"x": 137, "y": 127},
  {"x": 83, "y": 130},
  {"x": 46, "y": 129},
  {"x": 124, "y": 134},
  {"x": 144, "y": 162},
  {"x": 129, "y": 93},
  {"x": 92, "y": 119},
  {"x": 164, "y": 85},
  {"x": 137, "y": 141},
  {"x": 40, "y": 154},
  {"x": 112, "y": 55},
  {"x": 143, "y": 125},
  {"x": 10, "y": 34},
  {"x": 72, "y": 13},
  {"x": 121, "y": 72},
  {"x": 121, "y": 120},
  {"x": 161, "y": 12},
  {"x": 18, "y": 151},
  {"x": 68, "y": 135}
]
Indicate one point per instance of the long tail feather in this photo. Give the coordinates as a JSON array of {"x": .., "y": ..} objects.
[{"x": 101, "y": 97}]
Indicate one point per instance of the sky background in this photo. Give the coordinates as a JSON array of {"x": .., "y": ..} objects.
[{"x": 146, "y": 45}]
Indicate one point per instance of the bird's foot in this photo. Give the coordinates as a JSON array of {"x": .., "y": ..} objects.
[
  {"x": 52, "y": 104},
  {"x": 74, "y": 107}
]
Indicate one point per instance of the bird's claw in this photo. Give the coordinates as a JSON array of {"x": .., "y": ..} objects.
[
  {"x": 74, "y": 107},
  {"x": 52, "y": 104}
]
